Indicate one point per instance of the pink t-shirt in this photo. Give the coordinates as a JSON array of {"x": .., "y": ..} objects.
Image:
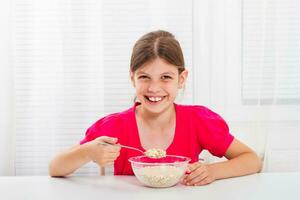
[{"x": 197, "y": 128}]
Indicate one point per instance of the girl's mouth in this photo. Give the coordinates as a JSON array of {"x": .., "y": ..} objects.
[{"x": 153, "y": 99}]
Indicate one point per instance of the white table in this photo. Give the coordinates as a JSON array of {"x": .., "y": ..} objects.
[{"x": 268, "y": 186}]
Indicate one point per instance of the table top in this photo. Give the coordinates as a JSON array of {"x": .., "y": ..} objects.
[{"x": 258, "y": 186}]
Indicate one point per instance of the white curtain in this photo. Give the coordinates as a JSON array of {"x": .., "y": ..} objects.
[
  {"x": 6, "y": 93},
  {"x": 58, "y": 75}
]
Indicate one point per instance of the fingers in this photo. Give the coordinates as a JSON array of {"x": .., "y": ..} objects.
[
  {"x": 192, "y": 167},
  {"x": 197, "y": 174},
  {"x": 107, "y": 139},
  {"x": 109, "y": 154},
  {"x": 103, "y": 154},
  {"x": 112, "y": 155},
  {"x": 195, "y": 169},
  {"x": 111, "y": 148},
  {"x": 107, "y": 159},
  {"x": 110, "y": 140},
  {"x": 197, "y": 178}
]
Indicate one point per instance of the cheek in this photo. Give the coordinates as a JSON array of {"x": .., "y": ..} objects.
[
  {"x": 140, "y": 88},
  {"x": 172, "y": 88},
  {"x": 174, "y": 92},
  {"x": 171, "y": 91}
]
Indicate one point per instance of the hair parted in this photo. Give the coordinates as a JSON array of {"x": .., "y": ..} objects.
[{"x": 157, "y": 44}]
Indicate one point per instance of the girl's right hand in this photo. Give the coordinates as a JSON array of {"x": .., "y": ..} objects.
[{"x": 103, "y": 155}]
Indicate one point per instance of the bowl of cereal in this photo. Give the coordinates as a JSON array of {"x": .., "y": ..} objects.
[{"x": 159, "y": 172}]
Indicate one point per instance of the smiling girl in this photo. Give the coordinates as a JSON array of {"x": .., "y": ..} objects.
[{"x": 157, "y": 72}]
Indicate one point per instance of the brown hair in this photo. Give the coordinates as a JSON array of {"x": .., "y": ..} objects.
[{"x": 157, "y": 44}]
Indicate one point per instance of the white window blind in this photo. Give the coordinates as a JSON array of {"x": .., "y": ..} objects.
[
  {"x": 71, "y": 67},
  {"x": 271, "y": 49}
]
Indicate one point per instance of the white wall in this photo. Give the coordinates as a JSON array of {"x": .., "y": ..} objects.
[{"x": 6, "y": 85}]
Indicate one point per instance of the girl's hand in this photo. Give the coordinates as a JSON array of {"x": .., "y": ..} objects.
[
  {"x": 103, "y": 155},
  {"x": 198, "y": 174}
]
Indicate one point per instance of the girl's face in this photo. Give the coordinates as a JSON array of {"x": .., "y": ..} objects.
[{"x": 157, "y": 84}]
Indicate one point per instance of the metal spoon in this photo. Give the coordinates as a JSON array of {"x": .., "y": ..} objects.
[
  {"x": 124, "y": 146},
  {"x": 150, "y": 153}
]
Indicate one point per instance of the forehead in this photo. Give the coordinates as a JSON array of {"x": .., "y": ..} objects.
[{"x": 157, "y": 66}]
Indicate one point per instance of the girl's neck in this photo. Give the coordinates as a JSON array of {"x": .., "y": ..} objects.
[{"x": 156, "y": 120}]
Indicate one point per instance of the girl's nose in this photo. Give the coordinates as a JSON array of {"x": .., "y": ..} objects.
[{"x": 154, "y": 87}]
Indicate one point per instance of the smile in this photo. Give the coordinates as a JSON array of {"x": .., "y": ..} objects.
[{"x": 154, "y": 99}]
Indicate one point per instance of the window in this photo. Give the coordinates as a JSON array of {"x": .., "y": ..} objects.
[{"x": 271, "y": 49}]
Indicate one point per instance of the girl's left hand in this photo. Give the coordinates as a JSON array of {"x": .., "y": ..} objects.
[{"x": 198, "y": 174}]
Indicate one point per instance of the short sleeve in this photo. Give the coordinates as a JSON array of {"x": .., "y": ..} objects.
[
  {"x": 106, "y": 126},
  {"x": 213, "y": 131}
]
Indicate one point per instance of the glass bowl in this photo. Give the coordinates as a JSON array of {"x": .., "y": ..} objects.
[{"x": 159, "y": 172}]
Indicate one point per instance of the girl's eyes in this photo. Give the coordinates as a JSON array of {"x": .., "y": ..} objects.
[
  {"x": 143, "y": 77},
  {"x": 166, "y": 77}
]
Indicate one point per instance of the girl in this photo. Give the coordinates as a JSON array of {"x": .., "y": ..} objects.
[{"x": 157, "y": 72}]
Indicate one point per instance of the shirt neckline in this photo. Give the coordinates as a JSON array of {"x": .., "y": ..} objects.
[{"x": 136, "y": 130}]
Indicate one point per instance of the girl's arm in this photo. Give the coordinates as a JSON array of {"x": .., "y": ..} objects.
[
  {"x": 70, "y": 160},
  {"x": 241, "y": 161}
]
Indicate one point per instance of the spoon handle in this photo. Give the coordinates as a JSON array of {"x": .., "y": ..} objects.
[
  {"x": 133, "y": 148},
  {"x": 123, "y": 146}
]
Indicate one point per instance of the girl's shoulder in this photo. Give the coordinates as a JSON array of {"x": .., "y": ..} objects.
[
  {"x": 115, "y": 119},
  {"x": 197, "y": 111},
  {"x": 203, "y": 117},
  {"x": 109, "y": 125}
]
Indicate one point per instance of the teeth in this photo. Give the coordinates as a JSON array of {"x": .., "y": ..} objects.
[{"x": 155, "y": 99}]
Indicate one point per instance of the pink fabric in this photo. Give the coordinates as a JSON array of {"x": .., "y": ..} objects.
[{"x": 197, "y": 128}]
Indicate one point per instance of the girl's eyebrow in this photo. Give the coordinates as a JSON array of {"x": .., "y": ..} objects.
[
  {"x": 169, "y": 72},
  {"x": 141, "y": 72}
]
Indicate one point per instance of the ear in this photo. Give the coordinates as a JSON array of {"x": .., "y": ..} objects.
[
  {"x": 182, "y": 78},
  {"x": 132, "y": 78}
]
